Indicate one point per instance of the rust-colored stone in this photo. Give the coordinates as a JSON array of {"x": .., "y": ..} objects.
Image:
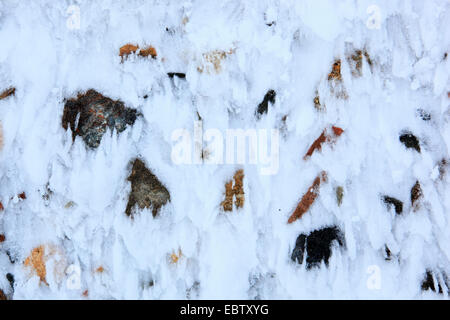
[
  {"x": 335, "y": 73},
  {"x": 149, "y": 51},
  {"x": 2, "y": 238},
  {"x": 2, "y": 296},
  {"x": 36, "y": 260},
  {"x": 100, "y": 269},
  {"x": 129, "y": 48},
  {"x": 22, "y": 196},
  {"x": 1, "y": 206},
  {"x": 317, "y": 144},
  {"x": 8, "y": 92},
  {"x": 237, "y": 191},
  {"x": 308, "y": 198},
  {"x": 174, "y": 257}
]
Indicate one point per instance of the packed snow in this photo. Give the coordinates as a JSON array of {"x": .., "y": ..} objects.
[{"x": 76, "y": 196}]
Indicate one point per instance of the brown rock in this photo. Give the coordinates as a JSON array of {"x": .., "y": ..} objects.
[
  {"x": 149, "y": 51},
  {"x": 22, "y": 196},
  {"x": 2, "y": 238},
  {"x": 8, "y": 92},
  {"x": 335, "y": 73},
  {"x": 416, "y": 194},
  {"x": 339, "y": 195},
  {"x": 2, "y": 296},
  {"x": 146, "y": 190},
  {"x": 317, "y": 144},
  {"x": 215, "y": 59},
  {"x": 1, "y": 206},
  {"x": 237, "y": 191},
  {"x": 308, "y": 198}
]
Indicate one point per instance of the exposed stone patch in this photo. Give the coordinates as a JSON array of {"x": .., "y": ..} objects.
[
  {"x": 264, "y": 105},
  {"x": 431, "y": 280},
  {"x": 2, "y": 296},
  {"x": 308, "y": 198},
  {"x": 325, "y": 136},
  {"x": 2, "y": 238},
  {"x": 390, "y": 201},
  {"x": 8, "y": 92},
  {"x": 90, "y": 114},
  {"x": 214, "y": 59},
  {"x": 129, "y": 48},
  {"x": 317, "y": 245},
  {"x": 176, "y": 74},
  {"x": 416, "y": 194},
  {"x": 175, "y": 257},
  {"x": 36, "y": 260},
  {"x": 339, "y": 195},
  {"x": 410, "y": 141},
  {"x": 335, "y": 73},
  {"x": 236, "y": 191},
  {"x": 146, "y": 190}
]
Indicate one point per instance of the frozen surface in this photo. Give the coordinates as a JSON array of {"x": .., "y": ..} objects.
[{"x": 287, "y": 46}]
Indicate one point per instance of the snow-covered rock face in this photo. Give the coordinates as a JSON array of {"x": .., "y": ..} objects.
[{"x": 378, "y": 226}]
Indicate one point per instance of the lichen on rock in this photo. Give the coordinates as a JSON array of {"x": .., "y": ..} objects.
[{"x": 90, "y": 114}]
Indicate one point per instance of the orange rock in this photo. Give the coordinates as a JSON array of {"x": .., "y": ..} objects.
[
  {"x": 175, "y": 257},
  {"x": 127, "y": 50},
  {"x": 36, "y": 260},
  {"x": 335, "y": 73},
  {"x": 85, "y": 293},
  {"x": 2, "y": 238},
  {"x": 1, "y": 206},
  {"x": 236, "y": 191},
  {"x": 317, "y": 144},
  {"x": 308, "y": 198},
  {"x": 22, "y": 196},
  {"x": 149, "y": 51},
  {"x": 2, "y": 296},
  {"x": 8, "y": 92},
  {"x": 100, "y": 269}
]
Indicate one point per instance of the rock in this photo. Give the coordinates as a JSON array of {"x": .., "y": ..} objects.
[
  {"x": 317, "y": 103},
  {"x": 214, "y": 59},
  {"x": 176, "y": 74},
  {"x": 410, "y": 141},
  {"x": 264, "y": 105},
  {"x": 339, "y": 195},
  {"x": 318, "y": 245},
  {"x": 308, "y": 198},
  {"x": 237, "y": 191},
  {"x": 128, "y": 49},
  {"x": 175, "y": 257},
  {"x": 416, "y": 194},
  {"x": 22, "y": 196},
  {"x": 390, "y": 201},
  {"x": 387, "y": 253},
  {"x": 96, "y": 113},
  {"x": 2, "y": 296},
  {"x": 425, "y": 116},
  {"x": 442, "y": 168},
  {"x": 335, "y": 73},
  {"x": 146, "y": 190},
  {"x": 36, "y": 260},
  {"x": 8, "y": 92},
  {"x": 1, "y": 206},
  {"x": 10, "y": 279},
  {"x": 428, "y": 282},
  {"x": 324, "y": 137},
  {"x": 2, "y": 238}
]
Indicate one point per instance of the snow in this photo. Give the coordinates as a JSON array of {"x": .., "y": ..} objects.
[{"x": 242, "y": 254}]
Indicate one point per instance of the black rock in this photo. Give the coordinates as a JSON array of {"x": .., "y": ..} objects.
[
  {"x": 146, "y": 190},
  {"x": 264, "y": 105},
  {"x": 176, "y": 74},
  {"x": 425, "y": 116},
  {"x": 318, "y": 245},
  {"x": 428, "y": 282},
  {"x": 410, "y": 141},
  {"x": 10, "y": 278},
  {"x": 394, "y": 202},
  {"x": 90, "y": 114}
]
